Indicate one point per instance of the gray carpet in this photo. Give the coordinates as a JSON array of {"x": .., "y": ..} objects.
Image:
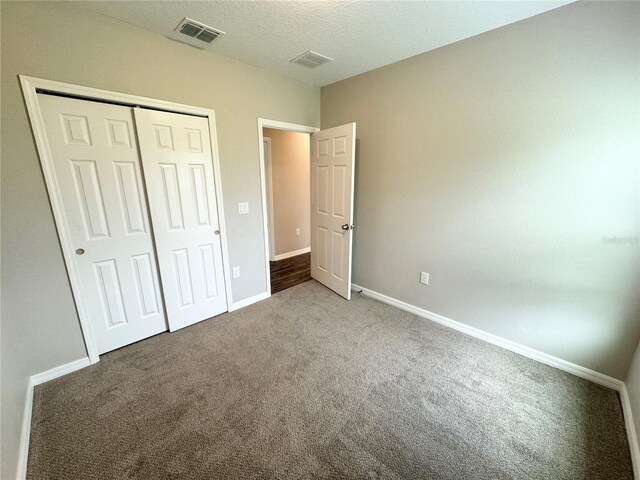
[{"x": 306, "y": 385}]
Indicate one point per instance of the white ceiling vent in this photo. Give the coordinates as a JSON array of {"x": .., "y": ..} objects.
[
  {"x": 199, "y": 32},
  {"x": 311, "y": 59}
]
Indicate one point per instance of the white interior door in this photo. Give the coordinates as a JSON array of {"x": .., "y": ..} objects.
[
  {"x": 178, "y": 168},
  {"x": 97, "y": 170},
  {"x": 332, "y": 174}
]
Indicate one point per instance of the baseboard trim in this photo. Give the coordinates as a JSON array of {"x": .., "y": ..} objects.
[
  {"x": 592, "y": 375},
  {"x": 248, "y": 301},
  {"x": 634, "y": 447},
  {"x": 282, "y": 256},
  {"x": 38, "y": 379},
  {"x": 25, "y": 434},
  {"x": 54, "y": 373}
]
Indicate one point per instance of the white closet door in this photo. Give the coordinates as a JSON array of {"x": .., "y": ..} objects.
[
  {"x": 332, "y": 174},
  {"x": 178, "y": 169},
  {"x": 97, "y": 170}
]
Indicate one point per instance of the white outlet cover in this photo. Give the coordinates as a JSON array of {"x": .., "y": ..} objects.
[
  {"x": 236, "y": 272},
  {"x": 297, "y": 232},
  {"x": 243, "y": 208},
  {"x": 424, "y": 278}
]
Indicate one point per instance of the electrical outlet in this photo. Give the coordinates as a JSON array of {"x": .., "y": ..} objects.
[
  {"x": 243, "y": 208},
  {"x": 236, "y": 272},
  {"x": 297, "y": 232},
  {"x": 424, "y": 278}
]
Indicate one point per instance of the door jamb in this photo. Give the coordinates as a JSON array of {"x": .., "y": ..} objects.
[
  {"x": 269, "y": 184},
  {"x": 277, "y": 125},
  {"x": 30, "y": 88}
]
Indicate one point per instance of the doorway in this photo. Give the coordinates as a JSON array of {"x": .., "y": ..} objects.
[
  {"x": 287, "y": 163},
  {"x": 284, "y": 168},
  {"x": 331, "y": 163}
]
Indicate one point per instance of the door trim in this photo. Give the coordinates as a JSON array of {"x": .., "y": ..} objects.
[
  {"x": 269, "y": 184},
  {"x": 30, "y": 88},
  {"x": 276, "y": 125}
]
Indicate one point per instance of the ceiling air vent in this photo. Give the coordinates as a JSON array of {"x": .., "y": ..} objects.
[
  {"x": 311, "y": 59},
  {"x": 198, "y": 30}
]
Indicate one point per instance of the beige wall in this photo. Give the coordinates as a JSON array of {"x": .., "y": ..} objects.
[
  {"x": 40, "y": 328},
  {"x": 498, "y": 164},
  {"x": 633, "y": 387},
  {"x": 290, "y": 165}
]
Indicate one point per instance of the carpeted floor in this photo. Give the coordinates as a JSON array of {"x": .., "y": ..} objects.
[{"x": 306, "y": 385}]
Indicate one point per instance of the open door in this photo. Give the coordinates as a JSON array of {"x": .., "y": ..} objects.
[{"x": 332, "y": 175}]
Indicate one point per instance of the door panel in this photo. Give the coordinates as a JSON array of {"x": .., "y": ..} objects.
[
  {"x": 97, "y": 169},
  {"x": 89, "y": 195},
  {"x": 130, "y": 197},
  {"x": 145, "y": 283},
  {"x": 332, "y": 175},
  {"x": 178, "y": 168},
  {"x": 111, "y": 292}
]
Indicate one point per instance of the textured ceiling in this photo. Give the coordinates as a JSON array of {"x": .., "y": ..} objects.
[{"x": 358, "y": 35}]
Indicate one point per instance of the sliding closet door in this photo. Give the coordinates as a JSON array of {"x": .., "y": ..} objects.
[
  {"x": 99, "y": 184},
  {"x": 178, "y": 169}
]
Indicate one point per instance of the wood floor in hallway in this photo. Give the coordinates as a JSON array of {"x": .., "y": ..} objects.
[{"x": 290, "y": 272}]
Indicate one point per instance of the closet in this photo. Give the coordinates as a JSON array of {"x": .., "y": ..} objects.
[{"x": 137, "y": 195}]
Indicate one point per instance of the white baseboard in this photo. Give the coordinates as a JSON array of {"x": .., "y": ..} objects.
[
  {"x": 60, "y": 371},
  {"x": 25, "y": 434},
  {"x": 37, "y": 379},
  {"x": 631, "y": 431},
  {"x": 595, "y": 377},
  {"x": 282, "y": 256},
  {"x": 248, "y": 301},
  {"x": 529, "y": 352}
]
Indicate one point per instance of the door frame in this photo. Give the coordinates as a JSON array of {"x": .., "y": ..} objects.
[
  {"x": 31, "y": 86},
  {"x": 276, "y": 125},
  {"x": 266, "y": 143}
]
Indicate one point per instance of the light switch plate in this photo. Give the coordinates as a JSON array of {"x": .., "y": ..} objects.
[
  {"x": 297, "y": 232},
  {"x": 424, "y": 278},
  {"x": 236, "y": 272},
  {"x": 243, "y": 208}
]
